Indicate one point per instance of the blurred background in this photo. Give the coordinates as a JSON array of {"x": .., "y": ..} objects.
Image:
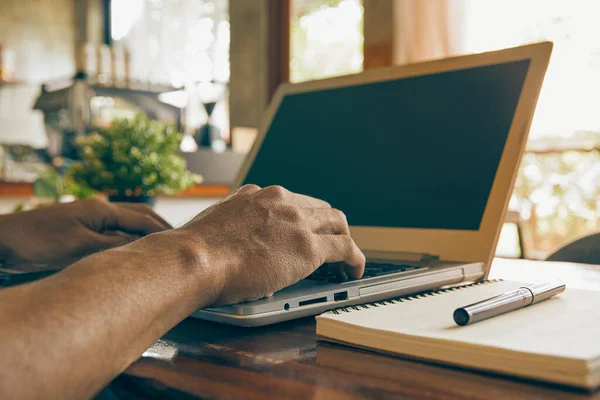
[{"x": 208, "y": 68}]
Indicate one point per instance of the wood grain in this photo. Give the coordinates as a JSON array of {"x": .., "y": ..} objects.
[{"x": 199, "y": 359}]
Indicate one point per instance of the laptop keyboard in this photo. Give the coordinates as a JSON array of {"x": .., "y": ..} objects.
[{"x": 372, "y": 269}]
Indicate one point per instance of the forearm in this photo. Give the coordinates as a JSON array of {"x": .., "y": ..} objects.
[{"x": 68, "y": 335}]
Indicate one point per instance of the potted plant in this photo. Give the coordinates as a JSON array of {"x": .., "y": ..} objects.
[{"x": 133, "y": 161}]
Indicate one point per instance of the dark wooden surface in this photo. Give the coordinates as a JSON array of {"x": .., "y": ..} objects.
[{"x": 200, "y": 359}]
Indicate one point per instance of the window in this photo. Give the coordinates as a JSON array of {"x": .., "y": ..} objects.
[
  {"x": 558, "y": 188},
  {"x": 326, "y": 38},
  {"x": 181, "y": 43},
  {"x": 174, "y": 41}
]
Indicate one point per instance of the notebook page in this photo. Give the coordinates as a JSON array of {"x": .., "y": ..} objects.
[{"x": 567, "y": 325}]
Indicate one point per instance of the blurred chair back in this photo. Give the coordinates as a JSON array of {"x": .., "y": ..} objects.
[{"x": 585, "y": 250}]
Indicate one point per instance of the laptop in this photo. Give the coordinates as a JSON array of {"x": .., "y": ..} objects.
[{"x": 421, "y": 158}]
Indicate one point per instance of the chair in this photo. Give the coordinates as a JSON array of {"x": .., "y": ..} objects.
[{"x": 584, "y": 250}]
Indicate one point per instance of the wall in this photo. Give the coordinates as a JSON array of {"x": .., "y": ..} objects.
[{"x": 42, "y": 33}]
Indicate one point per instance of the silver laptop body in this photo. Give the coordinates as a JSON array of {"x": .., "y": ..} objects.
[{"x": 422, "y": 159}]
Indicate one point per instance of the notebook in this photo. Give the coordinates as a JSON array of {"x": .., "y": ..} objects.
[{"x": 555, "y": 340}]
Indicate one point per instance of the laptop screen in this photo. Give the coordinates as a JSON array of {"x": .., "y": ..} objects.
[{"x": 418, "y": 152}]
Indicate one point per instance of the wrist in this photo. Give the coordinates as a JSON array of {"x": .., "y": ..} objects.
[{"x": 173, "y": 256}]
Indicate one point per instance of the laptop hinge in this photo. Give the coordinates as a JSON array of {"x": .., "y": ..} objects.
[{"x": 401, "y": 256}]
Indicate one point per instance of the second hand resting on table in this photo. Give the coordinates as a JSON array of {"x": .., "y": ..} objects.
[
  {"x": 60, "y": 235},
  {"x": 68, "y": 335}
]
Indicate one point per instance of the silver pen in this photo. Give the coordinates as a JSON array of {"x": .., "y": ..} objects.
[{"x": 501, "y": 304}]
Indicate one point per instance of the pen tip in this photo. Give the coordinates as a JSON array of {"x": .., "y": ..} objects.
[{"x": 461, "y": 317}]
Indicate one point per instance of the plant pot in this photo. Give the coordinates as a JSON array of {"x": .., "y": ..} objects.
[{"x": 150, "y": 200}]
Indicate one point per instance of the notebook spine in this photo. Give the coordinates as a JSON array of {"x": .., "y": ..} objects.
[{"x": 404, "y": 299}]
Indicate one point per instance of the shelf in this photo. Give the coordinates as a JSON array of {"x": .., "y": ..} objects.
[
  {"x": 205, "y": 190},
  {"x": 14, "y": 189}
]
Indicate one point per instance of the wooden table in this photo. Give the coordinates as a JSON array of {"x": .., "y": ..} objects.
[{"x": 208, "y": 360}]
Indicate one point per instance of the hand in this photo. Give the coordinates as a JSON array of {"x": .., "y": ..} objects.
[
  {"x": 263, "y": 240},
  {"x": 118, "y": 302},
  {"x": 60, "y": 235}
]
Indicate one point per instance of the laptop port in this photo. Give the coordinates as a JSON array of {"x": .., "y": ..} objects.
[
  {"x": 312, "y": 301},
  {"x": 340, "y": 296}
]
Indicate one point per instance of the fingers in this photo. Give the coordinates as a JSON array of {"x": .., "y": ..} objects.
[
  {"x": 92, "y": 242},
  {"x": 105, "y": 241},
  {"x": 327, "y": 221},
  {"x": 126, "y": 220},
  {"x": 341, "y": 248},
  {"x": 144, "y": 209},
  {"x": 330, "y": 225}
]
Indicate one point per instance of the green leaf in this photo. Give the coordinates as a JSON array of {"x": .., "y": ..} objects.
[
  {"x": 19, "y": 207},
  {"x": 49, "y": 185},
  {"x": 133, "y": 156}
]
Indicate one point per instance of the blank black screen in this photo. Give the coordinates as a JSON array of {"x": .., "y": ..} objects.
[{"x": 419, "y": 152}]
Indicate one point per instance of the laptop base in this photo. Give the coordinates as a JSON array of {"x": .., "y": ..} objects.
[{"x": 307, "y": 297}]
